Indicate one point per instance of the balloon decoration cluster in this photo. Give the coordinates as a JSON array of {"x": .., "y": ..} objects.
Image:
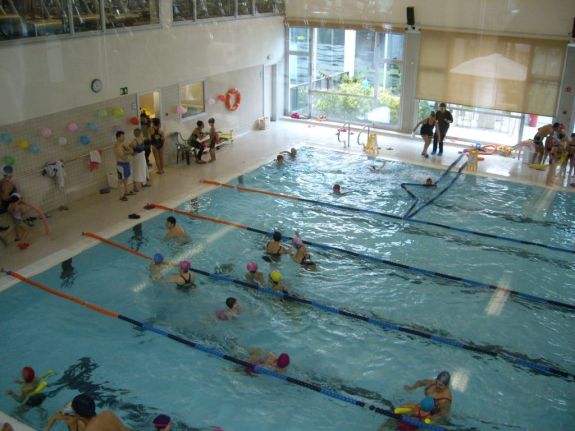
[{"x": 71, "y": 127}]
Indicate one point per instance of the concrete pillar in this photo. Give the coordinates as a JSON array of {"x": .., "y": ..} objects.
[{"x": 565, "y": 112}]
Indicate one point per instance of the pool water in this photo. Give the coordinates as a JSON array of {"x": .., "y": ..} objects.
[{"x": 140, "y": 374}]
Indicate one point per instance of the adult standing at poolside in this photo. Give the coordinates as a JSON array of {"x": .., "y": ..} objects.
[
  {"x": 156, "y": 137},
  {"x": 426, "y": 131},
  {"x": 439, "y": 390},
  {"x": 444, "y": 119},
  {"x": 145, "y": 125},
  {"x": 542, "y": 133}
]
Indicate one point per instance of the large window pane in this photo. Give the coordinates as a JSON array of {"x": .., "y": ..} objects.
[
  {"x": 298, "y": 69},
  {"x": 21, "y": 19},
  {"x": 123, "y": 13},
  {"x": 183, "y": 10},
  {"x": 299, "y": 39},
  {"x": 340, "y": 107},
  {"x": 215, "y": 8},
  {"x": 391, "y": 46},
  {"x": 330, "y": 52},
  {"x": 192, "y": 98},
  {"x": 86, "y": 15},
  {"x": 299, "y": 99},
  {"x": 364, "y": 65},
  {"x": 390, "y": 79},
  {"x": 245, "y": 7}
]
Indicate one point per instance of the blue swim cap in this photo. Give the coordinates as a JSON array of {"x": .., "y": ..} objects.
[
  {"x": 158, "y": 258},
  {"x": 427, "y": 404}
]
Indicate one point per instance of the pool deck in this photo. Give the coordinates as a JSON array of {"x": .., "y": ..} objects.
[{"x": 181, "y": 182}]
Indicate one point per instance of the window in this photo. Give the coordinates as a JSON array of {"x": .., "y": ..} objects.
[
  {"x": 192, "y": 98},
  {"x": 270, "y": 6},
  {"x": 183, "y": 10},
  {"x": 346, "y": 75},
  {"x": 86, "y": 15},
  {"x": 215, "y": 8},
  {"x": 122, "y": 13},
  {"x": 245, "y": 7},
  {"x": 32, "y": 19}
]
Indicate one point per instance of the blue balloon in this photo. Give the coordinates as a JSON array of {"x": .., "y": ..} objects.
[
  {"x": 478, "y": 146},
  {"x": 6, "y": 138},
  {"x": 92, "y": 127},
  {"x": 84, "y": 140},
  {"x": 34, "y": 148}
]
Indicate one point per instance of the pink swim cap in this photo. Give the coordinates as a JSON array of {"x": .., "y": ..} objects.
[
  {"x": 185, "y": 265},
  {"x": 252, "y": 266},
  {"x": 28, "y": 374},
  {"x": 283, "y": 360}
]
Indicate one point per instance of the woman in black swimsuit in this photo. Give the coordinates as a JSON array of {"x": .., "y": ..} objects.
[
  {"x": 185, "y": 279},
  {"x": 426, "y": 131},
  {"x": 156, "y": 137},
  {"x": 274, "y": 248}
]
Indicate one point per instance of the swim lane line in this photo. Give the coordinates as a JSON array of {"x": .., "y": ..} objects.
[
  {"x": 400, "y": 219},
  {"x": 211, "y": 351},
  {"x": 473, "y": 283},
  {"x": 512, "y": 358}
]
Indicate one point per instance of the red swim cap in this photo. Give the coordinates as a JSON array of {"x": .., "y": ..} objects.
[
  {"x": 283, "y": 360},
  {"x": 28, "y": 374}
]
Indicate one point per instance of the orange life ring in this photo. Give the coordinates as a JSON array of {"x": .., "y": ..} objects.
[{"x": 238, "y": 98}]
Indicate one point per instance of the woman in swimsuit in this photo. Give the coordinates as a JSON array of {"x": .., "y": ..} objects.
[
  {"x": 439, "y": 390},
  {"x": 275, "y": 249},
  {"x": 185, "y": 279},
  {"x": 156, "y": 137},
  {"x": 426, "y": 131},
  {"x": 302, "y": 256}
]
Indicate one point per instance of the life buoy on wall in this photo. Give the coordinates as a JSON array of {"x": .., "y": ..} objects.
[{"x": 238, "y": 98}]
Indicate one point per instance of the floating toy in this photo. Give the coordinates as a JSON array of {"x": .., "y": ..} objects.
[{"x": 46, "y": 132}]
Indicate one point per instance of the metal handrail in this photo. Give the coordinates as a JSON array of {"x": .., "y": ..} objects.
[
  {"x": 347, "y": 127},
  {"x": 368, "y": 126}
]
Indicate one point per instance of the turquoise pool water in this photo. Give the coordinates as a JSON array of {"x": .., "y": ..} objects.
[{"x": 140, "y": 374}]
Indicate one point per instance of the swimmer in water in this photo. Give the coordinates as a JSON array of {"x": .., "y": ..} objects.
[
  {"x": 337, "y": 190},
  {"x": 162, "y": 423},
  {"x": 439, "y": 390},
  {"x": 292, "y": 153},
  {"x": 158, "y": 266},
  {"x": 269, "y": 360},
  {"x": 429, "y": 183},
  {"x": 375, "y": 169},
  {"x": 301, "y": 255},
  {"x": 175, "y": 231},
  {"x": 253, "y": 275},
  {"x": 185, "y": 279},
  {"x": 274, "y": 248},
  {"x": 420, "y": 412},
  {"x": 276, "y": 280},
  {"x": 30, "y": 394},
  {"x": 279, "y": 160},
  {"x": 232, "y": 312}
]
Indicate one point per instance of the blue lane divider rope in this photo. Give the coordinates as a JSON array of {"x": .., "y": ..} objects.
[
  {"x": 473, "y": 283},
  {"x": 438, "y": 195},
  {"x": 264, "y": 371},
  {"x": 510, "y": 357}
]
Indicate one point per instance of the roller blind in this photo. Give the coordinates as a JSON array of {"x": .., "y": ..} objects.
[{"x": 494, "y": 72}]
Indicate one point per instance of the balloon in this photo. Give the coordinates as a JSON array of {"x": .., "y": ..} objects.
[
  {"x": 211, "y": 101},
  {"x": 62, "y": 140},
  {"x": 101, "y": 113},
  {"x": 6, "y": 138},
  {"x": 84, "y": 140},
  {"x": 222, "y": 97},
  {"x": 72, "y": 126},
  {"x": 92, "y": 127},
  {"x": 23, "y": 143},
  {"x": 34, "y": 148},
  {"x": 134, "y": 121},
  {"x": 181, "y": 109},
  {"x": 117, "y": 112},
  {"x": 9, "y": 160},
  {"x": 46, "y": 132}
]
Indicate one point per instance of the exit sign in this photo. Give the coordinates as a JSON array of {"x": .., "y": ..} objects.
[{"x": 123, "y": 91}]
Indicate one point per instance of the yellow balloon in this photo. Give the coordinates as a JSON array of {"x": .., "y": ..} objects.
[{"x": 23, "y": 143}]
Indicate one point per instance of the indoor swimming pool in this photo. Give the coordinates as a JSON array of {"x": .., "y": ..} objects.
[{"x": 427, "y": 283}]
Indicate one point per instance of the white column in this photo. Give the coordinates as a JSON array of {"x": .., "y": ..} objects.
[
  {"x": 565, "y": 112},
  {"x": 349, "y": 52},
  {"x": 409, "y": 80}
]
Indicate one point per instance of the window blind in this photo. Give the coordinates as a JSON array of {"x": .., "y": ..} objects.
[{"x": 495, "y": 72}]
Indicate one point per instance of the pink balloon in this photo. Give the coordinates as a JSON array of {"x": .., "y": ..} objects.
[
  {"x": 46, "y": 132},
  {"x": 211, "y": 101},
  {"x": 72, "y": 126}
]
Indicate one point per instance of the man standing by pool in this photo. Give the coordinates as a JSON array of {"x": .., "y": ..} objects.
[{"x": 444, "y": 119}]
